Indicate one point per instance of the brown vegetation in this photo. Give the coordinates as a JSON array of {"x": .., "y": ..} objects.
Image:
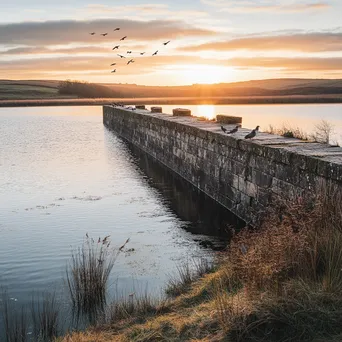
[{"x": 281, "y": 282}]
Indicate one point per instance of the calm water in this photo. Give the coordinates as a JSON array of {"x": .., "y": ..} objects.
[{"x": 63, "y": 174}]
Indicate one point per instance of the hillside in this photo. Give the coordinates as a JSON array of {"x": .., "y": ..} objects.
[{"x": 49, "y": 89}]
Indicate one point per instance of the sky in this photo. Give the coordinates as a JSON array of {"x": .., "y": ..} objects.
[{"x": 211, "y": 41}]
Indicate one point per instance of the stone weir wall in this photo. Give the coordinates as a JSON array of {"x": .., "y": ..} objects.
[{"x": 239, "y": 174}]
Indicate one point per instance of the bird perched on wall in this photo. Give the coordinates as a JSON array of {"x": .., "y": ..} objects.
[
  {"x": 234, "y": 130},
  {"x": 253, "y": 133},
  {"x": 224, "y": 129}
]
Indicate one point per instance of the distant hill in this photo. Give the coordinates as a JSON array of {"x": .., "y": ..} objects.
[{"x": 47, "y": 89}]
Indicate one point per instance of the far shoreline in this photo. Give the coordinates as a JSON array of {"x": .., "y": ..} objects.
[{"x": 236, "y": 100}]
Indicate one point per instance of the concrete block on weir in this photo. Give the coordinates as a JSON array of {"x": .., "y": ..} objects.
[
  {"x": 181, "y": 112},
  {"x": 140, "y": 107},
  {"x": 156, "y": 109},
  {"x": 228, "y": 119}
]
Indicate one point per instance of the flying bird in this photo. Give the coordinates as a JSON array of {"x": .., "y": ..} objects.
[
  {"x": 117, "y": 29},
  {"x": 234, "y": 130},
  {"x": 224, "y": 129},
  {"x": 130, "y": 61},
  {"x": 116, "y": 47},
  {"x": 113, "y": 64},
  {"x": 129, "y": 51},
  {"x": 92, "y": 33},
  {"x": 114, "y": 70},
  {"x": 104, "y": 34},
  {"x": 123, "y": 38},
  {"x": 142, "y": 53},
  {"x": 166, "y": 42},
  {"x": 121, "y": 56},
  {"x": 253, "y": 133},
  {"x": 155, "y": 53}
]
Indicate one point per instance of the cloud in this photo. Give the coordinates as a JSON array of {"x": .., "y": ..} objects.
[
  {"x": 82, "y": 66},
  {"x": 40, "y": 50},
  {"x": 68, "y": 31},
  {"x": 265, "y": 6},
  {"x": 42, "y": 67},
  {"x": 303, "y": 42},
  {"x": 286, "y": 64}
]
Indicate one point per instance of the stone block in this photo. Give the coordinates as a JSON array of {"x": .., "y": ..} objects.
[
  {"x": 181, "y": 112},
  {"x": 156, "y": 109},
  {"x": 140, "y": 106},
  {"x": 228, "y": 119}
]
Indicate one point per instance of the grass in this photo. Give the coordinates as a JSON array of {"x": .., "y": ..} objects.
[
  {"x": 322, "y": 132},
  {"x": 280, "y": 282},
  {"x": 88, "y": 273}
]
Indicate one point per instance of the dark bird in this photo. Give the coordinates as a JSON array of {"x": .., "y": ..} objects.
[
  {"x": 166, "y": 42},
  {"x": 155, "y": 53},
  {"x": 117, "y": 29},
  {"x": 234, "y": 130},
  {"x": 113, "y": 70},
  {"x": 92, "y": 33},
  {"x": 113, "y": 64},
  {"x": 142, "y": 53},
  {"x": 123, "y": 38},
  {"x": 104, "y": 34},
  {"x": 121, "y": 56},
  {"x": 116, "y": 47},
  {"x": 224, "y": 129},
  {"x": 130, "y": 61},
  {"x": 253, "y": 133},
  {"x": 129, "y": 51}
]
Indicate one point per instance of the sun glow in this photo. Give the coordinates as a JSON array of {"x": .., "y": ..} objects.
[{"x": 204, "y": 74}]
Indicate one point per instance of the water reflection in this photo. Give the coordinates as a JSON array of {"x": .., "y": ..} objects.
[
  {"x": 202, "y": 214},
  {"x": 207, "y": 111}
]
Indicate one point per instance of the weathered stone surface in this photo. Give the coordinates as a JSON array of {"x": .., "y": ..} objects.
[
  {"x": 156, "y": 109},
  {"x": 181, "y": 112},
  {"x": 241, "y": 175}
]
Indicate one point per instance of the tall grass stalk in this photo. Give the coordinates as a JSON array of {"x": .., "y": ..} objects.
[{"x": 88, "y": 273}]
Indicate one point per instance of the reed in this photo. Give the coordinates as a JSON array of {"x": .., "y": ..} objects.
[{"x": 87, "y": 274}]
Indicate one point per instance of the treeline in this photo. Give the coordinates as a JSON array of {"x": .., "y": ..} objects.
[
  {"x": 86, "y": 90},
  {"x": 92, "y": 90}
]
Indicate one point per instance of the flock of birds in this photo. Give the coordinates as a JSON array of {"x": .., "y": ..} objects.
[
  {"x": 116, "y": 47},
  {"x": 234, "y": 130}
]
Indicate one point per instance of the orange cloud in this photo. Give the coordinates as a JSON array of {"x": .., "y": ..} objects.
[
  {"x": 303, "y": 42},
  {"x": 293, "y": 64}
]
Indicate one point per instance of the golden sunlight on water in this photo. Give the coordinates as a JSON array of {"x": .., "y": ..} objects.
[{"x": 207, "y": 111}]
